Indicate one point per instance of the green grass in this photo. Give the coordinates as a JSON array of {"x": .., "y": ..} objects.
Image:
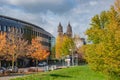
[{"x": 73, "y": 73}]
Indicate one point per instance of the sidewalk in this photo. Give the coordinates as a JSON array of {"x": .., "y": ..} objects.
[
  {"x": 25, "y": 69},
  {"x": 15, "y": 75},
  {"x": 10, "y": 77}
]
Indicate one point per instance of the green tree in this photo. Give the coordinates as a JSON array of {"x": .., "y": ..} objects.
[
  {"x": 64, "y": 46},
  {"x": 103, "y": 52},
  {"x": 52, "y": 55},
  {"x": 67, "y": 45}
]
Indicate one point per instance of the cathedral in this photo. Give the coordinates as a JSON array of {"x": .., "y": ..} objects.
[
  {"x": 68, "y": 32},
  {"x": 78, "y": 41}
]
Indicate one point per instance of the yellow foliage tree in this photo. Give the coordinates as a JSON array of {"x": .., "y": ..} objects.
[
  {"x": 103, "y": 52},
  {"x": 59, "y": 41}
]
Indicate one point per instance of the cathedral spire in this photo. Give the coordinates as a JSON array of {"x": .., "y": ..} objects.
[
  {"x": 69, "y": 30},
  {"x": 60, "y": 29}
]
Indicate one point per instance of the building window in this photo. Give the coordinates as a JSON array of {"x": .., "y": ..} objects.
[
  {"x": 21, "y": 30},
  {"x": 0, "y": 27},
  {"x": 40, "y": 35},
  {"x": 28, "y": 32},
  {"x": 5, "y": 28},
  {"x": 24, "y": 31},
  {"x": 9, "y": 29},
  {"x": 35, "y": 33},
  {"x": 31, "y": 32}
]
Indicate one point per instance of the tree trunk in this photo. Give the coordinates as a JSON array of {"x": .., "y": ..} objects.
[
  {"x": 0, "y": 63},
  {"x": 8, "y": 64},
  {"x": 62, "y": 62},
  {"x": 12, "y": 64},
  {"x": 16, "y": 63},
  {"x": 72, "y": 59},
  {"x": 13, "y": 60},
  {"x": 36, "y": 63}
]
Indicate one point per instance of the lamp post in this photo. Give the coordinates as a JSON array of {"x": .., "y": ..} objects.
[
  {"x": 76, "y": 59},
  {"x": 72, "y": 56}
]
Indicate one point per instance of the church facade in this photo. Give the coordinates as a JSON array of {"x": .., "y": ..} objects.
[{"x": 68, "y": 32}]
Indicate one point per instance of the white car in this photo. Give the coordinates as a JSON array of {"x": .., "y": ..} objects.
[{"x": 41, "y": 64}]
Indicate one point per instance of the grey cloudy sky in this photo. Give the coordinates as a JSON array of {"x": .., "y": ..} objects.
[{"x": 48, "y": 13}]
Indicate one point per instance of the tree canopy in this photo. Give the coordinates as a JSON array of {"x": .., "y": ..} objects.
[
  {"x": 63, "y": 46},
  {"x": 103, "y": 51},
  {"x": 36, "y": 50}
]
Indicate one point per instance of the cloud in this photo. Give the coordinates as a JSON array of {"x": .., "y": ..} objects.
[
  {"x": 25, "y": 2},
  {"x": 35, "y": 6},
  {"x": 48, "y": 13},
  {"x": 93, "y": 3}
]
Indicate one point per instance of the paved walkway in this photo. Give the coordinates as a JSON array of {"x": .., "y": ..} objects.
[
  {"x": 10, "y": 77},
  {"x": 15, "y": 75},
  {"x": 21, "y": 75}
]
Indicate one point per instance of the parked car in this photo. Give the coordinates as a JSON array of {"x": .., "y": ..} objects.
[
  {"x": 2, "y": 70},
  {"x": 14, "y": 70},
  {"x": 42, "y": 64}
]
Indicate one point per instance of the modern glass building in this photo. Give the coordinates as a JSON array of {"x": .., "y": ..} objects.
[{"x": 28, "y": 30}]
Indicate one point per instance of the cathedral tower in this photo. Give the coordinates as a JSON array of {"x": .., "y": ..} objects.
[
  {"x": 60, "y": 30},
  {"x": 69, "y": 30}
]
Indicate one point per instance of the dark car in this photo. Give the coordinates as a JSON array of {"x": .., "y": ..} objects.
[
  {"x": 14, "y": 70},
  {"x": 42, "y": 64},
  {"x": 2, "y": 70}
]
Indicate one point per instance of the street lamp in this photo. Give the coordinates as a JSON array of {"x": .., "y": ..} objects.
[
  {"x": 76, "y": 59},
  {"x": 72, "y": 56}
]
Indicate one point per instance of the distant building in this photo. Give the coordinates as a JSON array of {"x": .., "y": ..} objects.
[
  {"x": 68, "y": 32},
  {"x": 79, "y": 42},
  {"x": 60, "y": 30}
]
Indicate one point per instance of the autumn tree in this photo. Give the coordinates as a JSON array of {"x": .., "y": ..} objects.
[
  {"x": 2, "y": 46},
  {"x": 103, "y": 51},
  {"x": 16, "y": 45},
  {"x": 59, "y": 41},
  {"x": 36, "y": 51}
]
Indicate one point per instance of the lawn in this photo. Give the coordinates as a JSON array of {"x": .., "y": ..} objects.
[{"x": 73, "y": 73}]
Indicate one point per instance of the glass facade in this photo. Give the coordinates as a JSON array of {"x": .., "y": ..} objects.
[{"x": 27, "y": 29}]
